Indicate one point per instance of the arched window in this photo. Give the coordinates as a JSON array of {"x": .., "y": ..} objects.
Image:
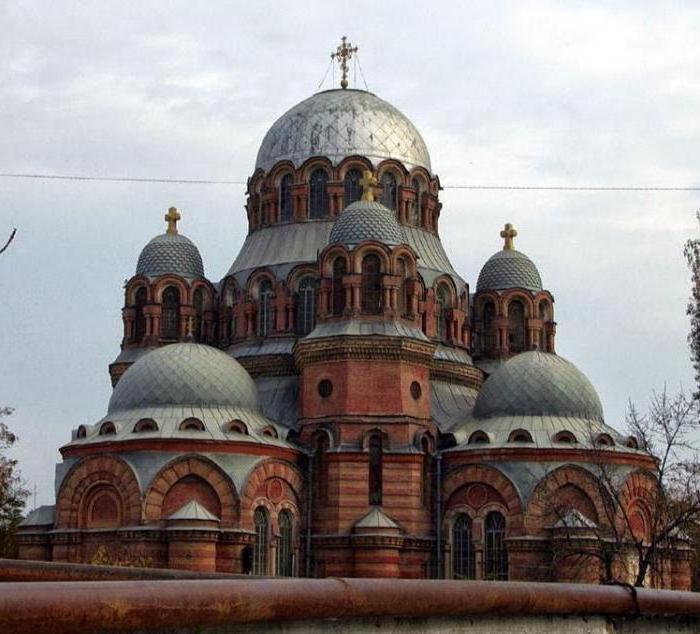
[
  {"x": 285, "y": 551},
  {"x": 543, "y": 313},
  {"x": 262, "y": 541},
  {"x": 516, "y": 326},
  {"x": 140, "y": 299},
  {"x": 371, "y": 284},
  {"x": 247, "y": 560},
  {"x": 229, "y": 302},
  {"x": 318, "y": 194},
  {"x": 520, "y": 435},
  {"x": 489, "y": 337},
  {"x": 478, "y": 438},
  {"x": 389, "y": 189},
  {"x": 402, "y": 293},
  {"x": 565, "y": 437},
  {"x": 443, "y": 305},
  {"x": 320, "y": 472},
  {"x": 415, "y": 207},
  {"x": 170, "y": 314},
  {"x": 376, "y": 456},
  {"x": 340, "y": 269},
  {"x": 306, "y": 306},
  {"x": 265, "y": 308},
  {"x": 463, "y": 559},
  {"x": 236, "y": 427},
  {"x": 495, "y": 553},
  {"x": 108, "y": 429},
  {"x": 192, "y": 424},
  {"x": 353, "y": 189},
  {"x": 285, "y": 202},
  {"x": 145, "y": 425},
  {"x": 198, "y": 326}
]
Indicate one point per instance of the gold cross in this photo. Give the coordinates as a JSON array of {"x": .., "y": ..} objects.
[
  {"x": 171, "y": 218},
  {"x": 508, "y": 234},
  {"x": 368, "y": 181},
  {"x": 344, "y": 53}
]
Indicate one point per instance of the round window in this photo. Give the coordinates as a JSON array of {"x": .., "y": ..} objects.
[
  {"x": 325, "y": 388},
  {"x": 416, "y": 390}
]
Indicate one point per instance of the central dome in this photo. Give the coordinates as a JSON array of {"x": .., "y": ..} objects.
[
  {"x": 366, "y": 220},
  {"x": 341, "y": 123}
]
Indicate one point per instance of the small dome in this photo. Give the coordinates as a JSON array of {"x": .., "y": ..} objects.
[
  {"x": 509, "y": 269},
  {"x": 366, "y": 220},
  {"x": 341, "y": 123},
  {"x": 538, "y": 384},
  {"x": 170, "y": 253},
  {"x": 185, "y": 374}
]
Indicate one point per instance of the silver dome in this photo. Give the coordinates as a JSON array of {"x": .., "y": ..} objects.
[
  {"x": 341, "y": 123},
  {"x": 185, "y": 374},
  {"x": 509, "y": 269},
  {"x": 170, "y": 253},
  {"x": 366, "y": 220},
  {"x": 538, "y": 384}
]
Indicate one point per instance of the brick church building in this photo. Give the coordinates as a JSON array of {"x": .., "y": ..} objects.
[{"x": 343, "y": 402}]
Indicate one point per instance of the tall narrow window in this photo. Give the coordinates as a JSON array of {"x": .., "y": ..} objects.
[
  {"x": 371, "y": 284},
  {"x": 320, "y": 472},
  {"x": 198, "y": 326},
  {"x": 489, "y": 336},
  {"x": 463, "y": 559},
  {"x": 170, "y": 316},
  {"x": 376, "y": 451},
  {"x": 139, "y": 318},
  {"x": 415, "y": 209},
  {"x": 318, "y": 194},
  {"x": 516, "y": 326},
  {"x": 229, "y": 302},
  {"x": 402, "y": 292},
  {"x": 265, "y": 308},
  {"x": 285, "y": 203},
  {"x": 427, "y": 480},
  {"x": 495, "y": 554},
  {"x": 353, "y": 189},
  {"x": 544, "y": 318},
  {"x": 338, "y": 298},
  {"x": 389, "y": 189},
  {"x": 262, "y": 541},
  {"x": 285, "y": 552},
  {"x": 443, "y": 305},
  {"x": 306, "y": 306}
]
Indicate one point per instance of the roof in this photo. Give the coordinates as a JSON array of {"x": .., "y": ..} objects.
[
  {"x": 341, "y": 123},
  {"x": 451, "y": 404},
  {"x": 184, "y": 374},
  {"x": 537, "y": 383},
  {"x": 573, "y": 518},
  {"x": 376, "y": 518},
  {"x": 366, "y": 220},
  {"x": 40, "y": 516},
  {"x": 366, "y": 327},
  {"x": 509, "y": 269},
  {"x": 193, "y": 510},
  {"x": 170, "y": 253}
]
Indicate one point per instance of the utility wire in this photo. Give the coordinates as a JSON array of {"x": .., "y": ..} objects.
[{"x": 191, "y": 181}]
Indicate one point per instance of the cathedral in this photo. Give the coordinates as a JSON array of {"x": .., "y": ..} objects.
[{"x": 342, "y": 402}]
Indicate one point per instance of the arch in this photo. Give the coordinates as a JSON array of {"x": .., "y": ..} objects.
[
  {"x": 140, "y": 301},
  {"x": 367, "y": 247},
  {"x": 479, "y": 437},
  {"x": 356, "y": 162},
  {"x": 192, "y": 424},
  {"x": 145, "y": 425},
  {"x": 107, "y": 428},
  {"x": 352, "y": 190},
  {"x": 568, "y": 497},
  {"x": 261, "y": 545},
  {"x": 463, "y": 553},
  {"x": 103, "y": 508},
  {"x": 170, "y": 313},
  {"x": 261, "y": 473},
  {"x": 566, "y": 437},
  {"x": 520, "y": 435},
  {"x": 196, "y": 465},
  {"x": 82, "y": 432},
  {"x": 265, "y": 307},
  {"x": 286, "y": 202},
  {"x": 133, "y": 285},
  {"x": 163, "y": 282},
  {"x": 187, "y": 488},
  {"x": 97, "y": 471},
  {"x": 269, "y": 431},
  {"x": 372, "y": 284},
  {"x": 405, "y": 253},
  {"x": 318, "y": 194},
  {"x": 236, "y": 427},
  {"x": 390, "y": 189},
  {"x": 604, "y": 440},
  {"x": 306, "y": 305}
]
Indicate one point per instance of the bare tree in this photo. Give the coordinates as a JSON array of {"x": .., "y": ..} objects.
[
  {"x": 13, "y": 493},
  {"x": 692, "y": 257},
  {"x": 9, "y": 240}
]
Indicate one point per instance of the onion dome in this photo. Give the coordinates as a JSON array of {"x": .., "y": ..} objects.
[
  {"x": 538, "y": 384},
  {"x": 170, "y": 252},
  {"x": 366, "y": 220},
  {"x": 341, "y": 123},
  {"x": 185, "y": 374},
  {"x": 509, "y": 268}
]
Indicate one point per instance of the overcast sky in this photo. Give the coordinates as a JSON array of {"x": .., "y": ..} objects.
[{"x": 504, "y": 93}]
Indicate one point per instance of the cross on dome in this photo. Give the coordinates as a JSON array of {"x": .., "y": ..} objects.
[
  {"x": 343, "y": 53},
  {"x": 508, "y": 234},
  {"x": 368, "y": 181},
  {"x": 171, "y": 218}
]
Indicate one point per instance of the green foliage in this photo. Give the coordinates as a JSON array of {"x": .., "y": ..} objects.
[
  {"x": 692, "y": 257},
  {"x": 13, "y": 493},
  {"x": 105, "y": 556}
]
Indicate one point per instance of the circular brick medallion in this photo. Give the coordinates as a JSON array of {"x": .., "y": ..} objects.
[
  {"x": 477, "y": 495},
  {"x": 325, "y": 388},
  {"x": 274, "y": 490},
  {"x": 416, "y": 390}
]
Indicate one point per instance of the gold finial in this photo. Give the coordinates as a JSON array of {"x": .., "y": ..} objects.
[
  {"x": 171, "y": 218},
  {"x": 368, "y": 181},
  {"x": 508, "y": 234},
  {"x": 343, "y": 53}
]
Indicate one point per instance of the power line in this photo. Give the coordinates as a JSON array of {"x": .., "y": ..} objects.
[{"x": 190, "y": 181}]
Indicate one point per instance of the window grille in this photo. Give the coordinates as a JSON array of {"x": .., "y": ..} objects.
[
  {"x": 198, "y": 326},
  {"x": 338, "y": 298},
  {"x": 265, "y": 308},
  {"x": 353, "y": 189},
  {"x": 262, "y": 541},
  {"x": 170, "y": 316},
  {"x": 371, "y": 284},
  {"x": 318, "y": 194},
  {"x": 489, "y": 344},
  {"x": 516, "y": 326},
  {"x": 140, "y": 318},
  {"x": 306, "y": 306},
  {"x": 495, "y": 554},
  {"x": 285, "y": 202},
  {"x": 389, "y": 190},
  {"x": 415, "y": 208},
  {"x": 375, "y": 469},
  {"x": 443, "y": 303},
  {"x": 463, "y": 559},
  {"x": 285, "y": 552}
]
